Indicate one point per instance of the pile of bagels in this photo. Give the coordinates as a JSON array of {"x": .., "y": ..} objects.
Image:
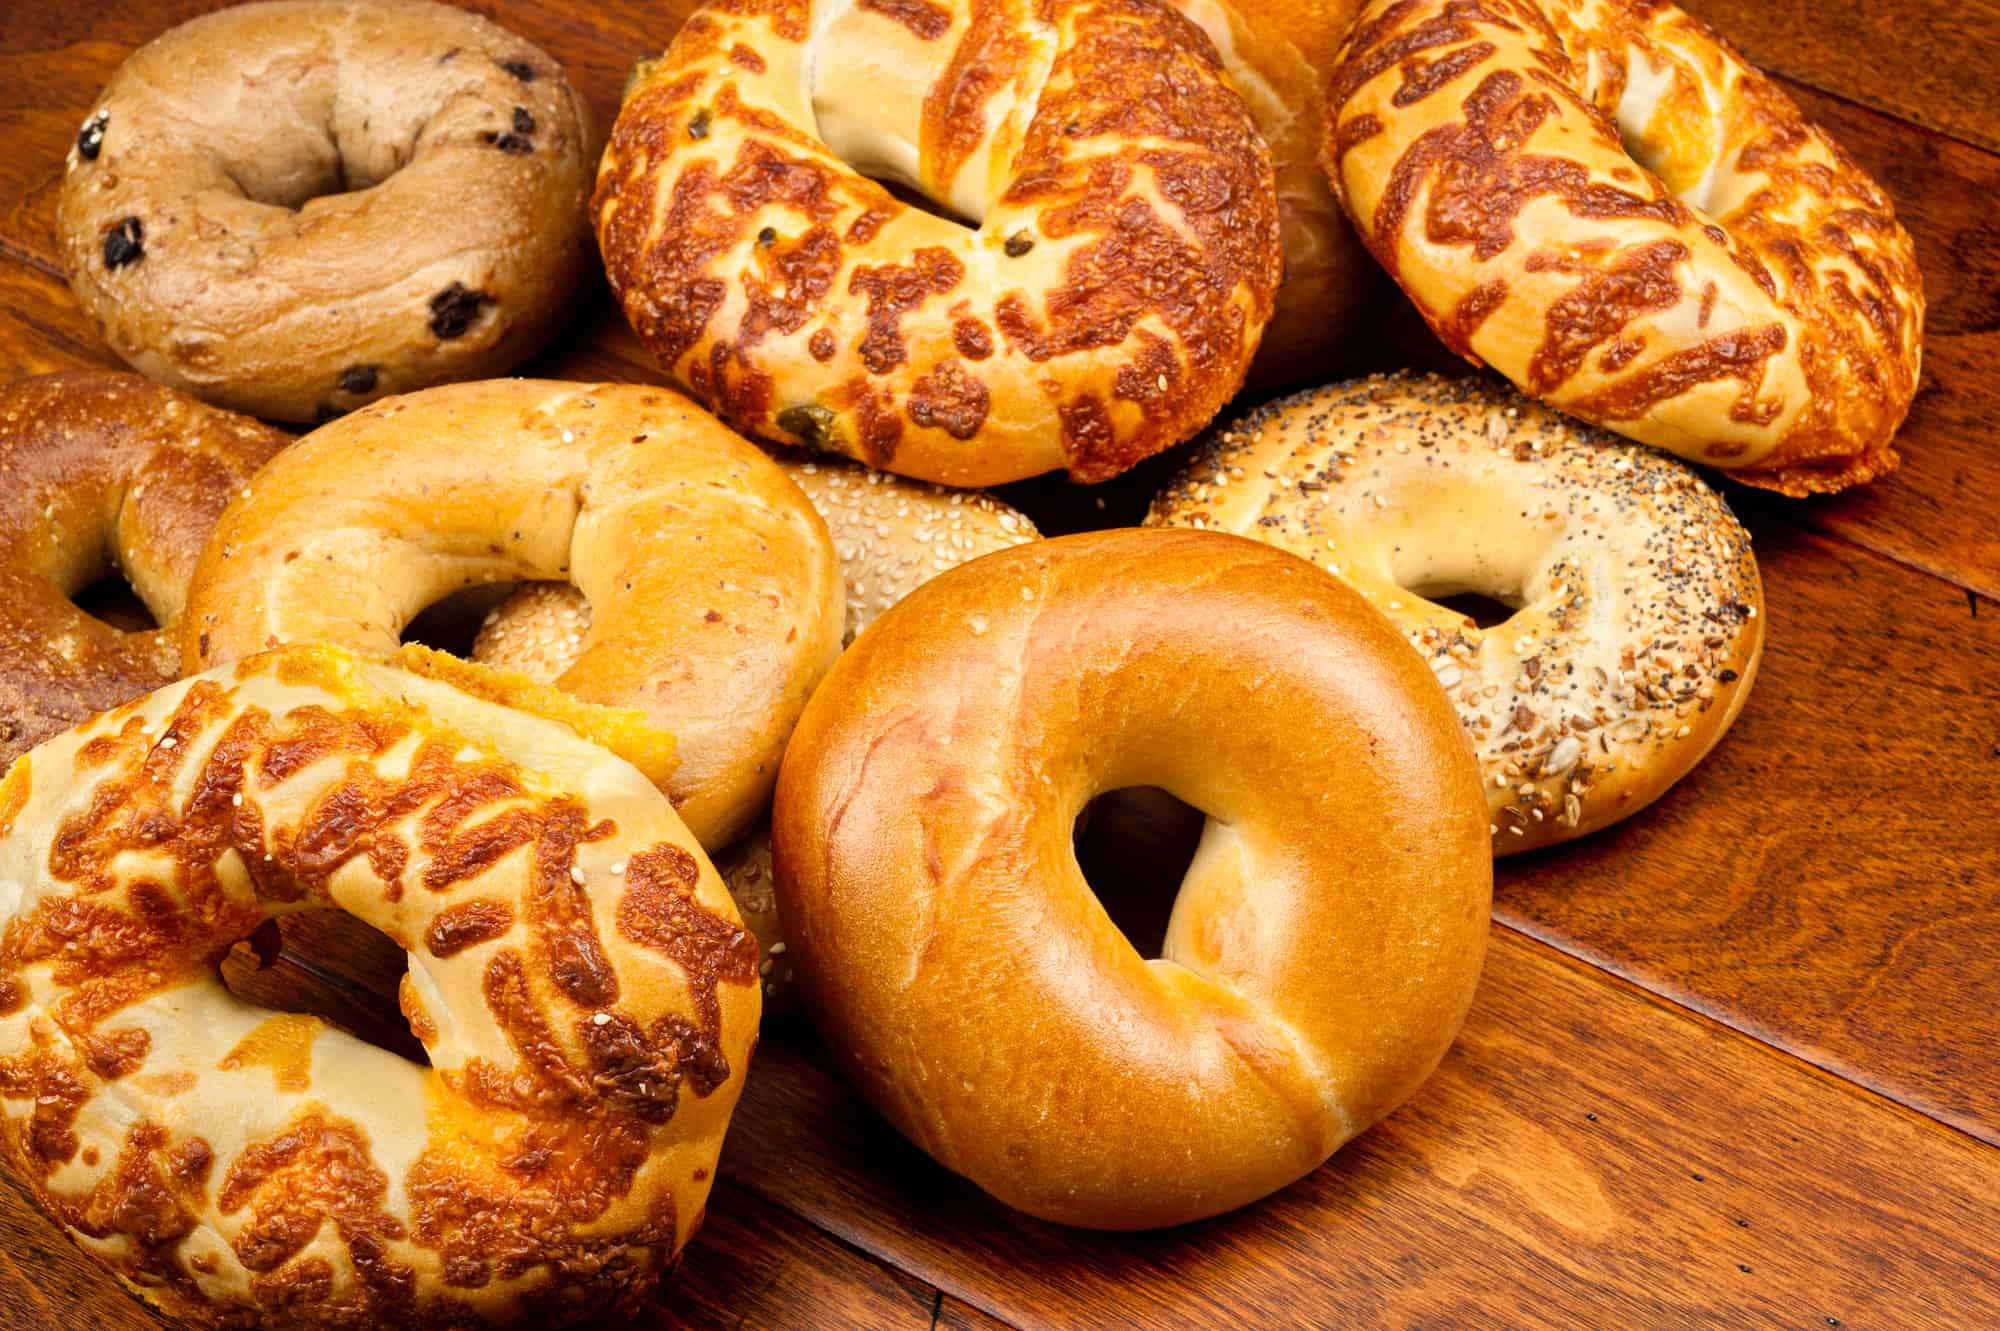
[{"x": 763, "y": 703}]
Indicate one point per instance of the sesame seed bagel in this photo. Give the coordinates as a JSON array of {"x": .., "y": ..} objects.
[
  {"x": 295, "y": 207},
  {"x": 103, "y": 473},
  {"x": 1601, "y": 201},
  {"x": 1099, "y": 302},
  {"x": 583, "y": 990},
  {"x": 893, "y": 535},
  {"x": 1324, "y": 944},
  {"x": 1638, "y": 618},
  {"x": 717, "y": 589}
]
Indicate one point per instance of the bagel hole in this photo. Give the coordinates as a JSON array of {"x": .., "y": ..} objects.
[
  {"x": 451, "y": 623},
  {"x": 331, "y": 965},
  {"x": 111, "y": 600},
  {"x": 1485, "y": 611},
  {"x": 1134, "y": 846}
]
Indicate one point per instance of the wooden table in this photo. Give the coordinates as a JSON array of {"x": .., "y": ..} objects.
[{"x": 1735, "y": 1062}]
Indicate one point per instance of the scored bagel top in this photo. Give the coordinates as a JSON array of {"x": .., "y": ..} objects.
[
  {"x": 1600, "y": 200},
  {"x": 1102, "y": 303}
]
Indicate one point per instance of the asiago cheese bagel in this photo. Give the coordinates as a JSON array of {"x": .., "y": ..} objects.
[
  {"x": 1600, "y": 200},
  {"x": 295, "y": 207},
  {"x": 1094, "y": 296},
  {"x": 1638, "y": 618},
  {"x": 581, "y": 985},
  {"x": 716, "y": 587},
  {"x": 1324, "y": 943},
  {"x": 99, "y": 473},
  {"x": 892, "y": 535}
]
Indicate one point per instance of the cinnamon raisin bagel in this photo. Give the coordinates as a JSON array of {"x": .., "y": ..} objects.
[
  {"x": 1600, "y": 200},
  {"x": 583, "y": 990},
  {"x": 1324, "y": 944},
  {"x": 893, "y": 535},
  {"x": 1099, "y": 300},
  {"x": 1637, "y": 619},
  {"x": 717, "y": 589},
  {"x": 103, "y": 473},
  {"x": 298, "y": 206}
]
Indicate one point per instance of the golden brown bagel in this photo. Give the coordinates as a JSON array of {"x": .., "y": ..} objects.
[
  {"x": 1325, "y": 942},
  {"x": 1278, "y": 54},
  {"x": 295, "y": 207},
  {"x": 1601, "y": 201},
  {"x": 1103, "y": 302},
  {"x": 1638, "y": 619},
  {"x": 580, "y": 983},
  {"x": 103, "y": 472},
  {"x": 892, "y": 534},
  {"x": 717, "y": 589}
]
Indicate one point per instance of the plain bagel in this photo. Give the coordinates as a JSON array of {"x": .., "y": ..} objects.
[
  {"x": 585, "y": 994},
  {"x": 717, "y": 588},
  {"x": 1324, "y": 944},
  {"x": 1099, "y": 303},
  {"x": 1601, "y": 201},
  {"x": 1637, "y": 624},
  {"x": 295, "y": 207},
  {"x": 100, "y": 473}
]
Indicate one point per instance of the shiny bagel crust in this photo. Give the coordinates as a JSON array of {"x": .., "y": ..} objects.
[
  {"x": 1734, "y": 289},
  {"x": 1102, "y": 302},
  {"x": 1324, "y": 945},
  {"x": 717, "y": 587},
  {"x": 584, "y": 992},
  {"x": 1639, "y": 612},
  {"x": 102, "y": 473},
  {"x": 295, "y": 207},
  {"x": 892, "y": 535}
]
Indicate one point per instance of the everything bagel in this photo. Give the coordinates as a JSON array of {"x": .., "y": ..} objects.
[
  {"x": 99, "y": 473},
  {"x": 583, "y": 990},
  {"x": 1601, "y": 201},
  {"x": 1324, "y": 944},
  {"x": 295, "y": 207},
  {"x": 1637, "y": 624},
  {"x": 716, "y": 586},
  {"x": 1100, "y": 302}
]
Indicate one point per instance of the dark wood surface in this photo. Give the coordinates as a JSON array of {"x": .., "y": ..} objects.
[{"x": 1735, "y": 1062}]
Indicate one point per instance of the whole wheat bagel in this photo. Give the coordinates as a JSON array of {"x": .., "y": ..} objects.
[
  {"x": 1600, "y": 200},
  {"x": 1637, "y": 624},
  {"x": 893, "y": 535},
  {"x": 295, "y": 207},
  {"x": 580, "y": 983},
  {"x": 1099, "y": 302},
  {"x": 1324, "y": 945},
  {"x": 103, "y": 472},
  {"x": 717, "y": 589}
]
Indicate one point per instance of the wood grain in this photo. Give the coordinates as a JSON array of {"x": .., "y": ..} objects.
[
  {"x": 1926, "y": 61},
  {"x": 1585, "y": 1158}
]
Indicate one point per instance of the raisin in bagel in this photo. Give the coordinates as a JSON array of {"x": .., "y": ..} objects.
[
  {"x": 717, "y": 590},
  {"x": 295, "y": 207},
  {"x": 893, "y": 535},
  {"x": 1100, "y": 301},
  {"x": 1637, "y": 626},
  {"x": 1600, "y": 200},
  {"x": 100, "y": 473},
  {"x": 1324, "y": 945},
  {"x": 580, "y": 983}
]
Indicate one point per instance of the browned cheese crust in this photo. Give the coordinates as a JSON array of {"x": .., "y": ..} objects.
[
  {"x": 1600, "y": 200},
  {"x": 716, "y": 585},
  {"x": 1102, "y": 304},
  {"x": 584, "y": 991},
  {"x": 1324, "y": 944},
  {"x": 103, "y": 473},
  {"x": 1637, "y": 624},
  {"x": 295, "y": 207}
]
